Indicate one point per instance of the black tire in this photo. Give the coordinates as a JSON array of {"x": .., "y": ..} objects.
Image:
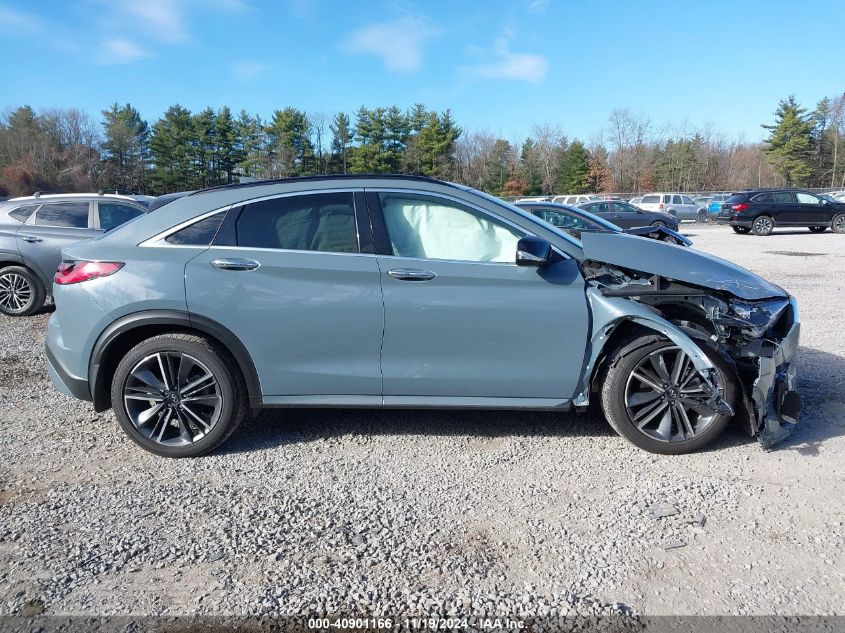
[
  {"x": 25, "y": 281},
  {"x": 763, "y": 225},
  {"x": 742, "y": 230},
  {"x": 658, "y": 224},
  {"x": 837, "y": 225},
  {"x": 233, "y": 404},
  {"x": 613, "y": 388},
  {"x": 702, "y": 216}
]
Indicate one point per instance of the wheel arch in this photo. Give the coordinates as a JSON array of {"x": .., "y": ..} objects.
[
  {"x": 127, "y": 331},
  {"x": 615, "y": 321}
]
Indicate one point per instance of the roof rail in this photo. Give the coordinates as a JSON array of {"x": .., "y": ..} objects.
[{"x": 273, "y": 181}]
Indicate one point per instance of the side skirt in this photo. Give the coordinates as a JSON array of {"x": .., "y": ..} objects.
[{"x": 417, "y": 402}]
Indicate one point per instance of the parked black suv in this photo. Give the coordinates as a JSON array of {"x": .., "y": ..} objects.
[{"x": 759, "y": 211}]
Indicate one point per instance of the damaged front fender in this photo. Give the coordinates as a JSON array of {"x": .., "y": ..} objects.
[{"x": 609, "y": 312}]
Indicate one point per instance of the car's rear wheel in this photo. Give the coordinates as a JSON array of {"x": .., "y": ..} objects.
[
  {"x": 742, "y": 230},
  {"x": 653, "y": 395},
  {"x": 702, "y": 216},
  {"x": 838, "y": 223},
  {"x": 21, "y": 291},
  {"x": 763, "y": 225},
  {"x": 178, "y": 395},
  {"x": 818, "y": 229}
]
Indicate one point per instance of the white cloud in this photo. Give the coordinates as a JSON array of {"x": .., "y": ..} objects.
[
  {"x": 537, "y": 6},
  {"x": 163, "y": 19},
  {"x": 247, "y": 70},
  {"x": 11, "y": 20},
  {"x": 398, "y": 42},
  {"x": 509, "y": 65},
  {"x": 121, "y": 51}
]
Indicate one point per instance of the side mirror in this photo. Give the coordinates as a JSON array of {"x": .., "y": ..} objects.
[{"x": 533, "y": 251}]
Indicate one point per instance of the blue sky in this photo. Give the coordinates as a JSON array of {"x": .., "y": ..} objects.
[{"x": 499, "y": 65}]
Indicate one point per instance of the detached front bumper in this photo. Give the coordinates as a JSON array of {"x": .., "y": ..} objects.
[{"x": 775, "y": 403}]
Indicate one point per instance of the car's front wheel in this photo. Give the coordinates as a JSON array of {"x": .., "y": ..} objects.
[
  {"x": 21, "y": 291},
  {"x": 178, "y": 395},
  {"x": 818, "y": 229},
  {"x": 654, "y": 396},
  {"x": 742, "y": 230},
  {"x": 763, "y": 225},
  {"x": 702, "y": 216}
]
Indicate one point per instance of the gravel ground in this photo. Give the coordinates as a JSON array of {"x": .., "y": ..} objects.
[{"x": 417, "y": 512}]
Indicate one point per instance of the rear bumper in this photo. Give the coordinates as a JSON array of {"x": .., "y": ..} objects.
[
  {"x": 63, "y": 380},
  {"x": 745, "y": 223}
]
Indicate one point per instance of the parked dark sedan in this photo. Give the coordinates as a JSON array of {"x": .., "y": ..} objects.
[
  {"x": 627, "y": 215},
  {"x": 760, "y": 211},
  {"x": 574, "y": 221}
]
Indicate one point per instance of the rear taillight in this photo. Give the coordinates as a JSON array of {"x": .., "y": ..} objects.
[
  {"x": 74, "y": 272},
  {"x": 660, "y": 206},
  {"x": 740, "y": 207}
]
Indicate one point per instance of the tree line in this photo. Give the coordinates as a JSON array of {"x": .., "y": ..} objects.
[{"x": 64, "y": 149}]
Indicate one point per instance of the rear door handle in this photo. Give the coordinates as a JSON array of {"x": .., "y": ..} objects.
[
  {"x": 235, "y": 263},
  {"x": 411, "y": 274},
  {"x": 31, "y": 239}
]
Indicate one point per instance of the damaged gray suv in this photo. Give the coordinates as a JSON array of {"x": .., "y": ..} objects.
[{"x": 406, "y": 292}]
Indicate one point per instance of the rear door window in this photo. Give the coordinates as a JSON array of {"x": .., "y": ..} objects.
[
  {"x": 64, "y": 214},
  {"x": 677, "y": 200},
  {"x": 783, "y": 197},
  {"x": 687, "y": 200},
  {"x": 315, "y": 222},
  {"x": 113, "y": 214},
  {"x": 21, "y": 214}
]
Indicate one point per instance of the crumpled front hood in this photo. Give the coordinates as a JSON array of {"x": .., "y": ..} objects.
[{"x": 677, "y": 262}]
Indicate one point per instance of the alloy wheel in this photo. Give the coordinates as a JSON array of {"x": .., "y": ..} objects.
[
  {"x": 839, "y": 223},
  {"x": 16, "y": 293},
  {"x": 762, "y": 225},
  {"x": 172, "y": 398},
  {"x": 666, "y": 396}
]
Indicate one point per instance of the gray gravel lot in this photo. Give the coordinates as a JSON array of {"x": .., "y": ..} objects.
[{"x": 418, "y": 512}]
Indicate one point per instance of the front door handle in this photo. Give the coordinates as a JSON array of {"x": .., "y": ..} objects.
[
  {"x": 235, "y": 263},
  {"x": 411, "y": 274},
  {"x": 31, "y": 239}
]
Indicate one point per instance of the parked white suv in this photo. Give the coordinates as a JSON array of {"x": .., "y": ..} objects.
[
  {"x": 680, "y": 205},
  {"x": 575, "y": 200}
]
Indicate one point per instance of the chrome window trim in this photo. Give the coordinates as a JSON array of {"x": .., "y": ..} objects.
[{"x": 159, "y": 240}]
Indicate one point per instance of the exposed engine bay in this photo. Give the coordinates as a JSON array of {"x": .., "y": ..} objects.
[{"x": 757, "y": 337}]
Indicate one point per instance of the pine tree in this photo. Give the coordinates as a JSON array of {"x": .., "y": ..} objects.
[
  {"x": 341, "y": 139},
  {"x": 575, "y": 169},
  {"x": 204, "y": 149},
  {"x": 125, "y": 148},
  {"x": 790, "y": 143},
  {"x": 227, "y": 151},
  {"x": 251, "y": 145},
  {"x": 291, "y": 152},
  {"x": 172, "y": 154}
]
